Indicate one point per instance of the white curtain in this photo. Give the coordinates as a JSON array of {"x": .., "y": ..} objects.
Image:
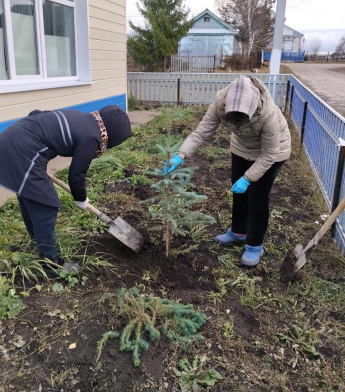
[
  {"x": 24, "y": 39},
  {"x": 58, "y": 56},
  {"x": 59, "y": 39}
]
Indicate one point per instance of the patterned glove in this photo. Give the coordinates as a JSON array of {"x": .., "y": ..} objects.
[
  {"x": 240, "y": 186},
  {"x": 82, "y": 204},
  {"x": 175, "y": 161}
]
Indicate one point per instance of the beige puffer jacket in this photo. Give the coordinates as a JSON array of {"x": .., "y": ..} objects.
[{"x": 265, "y": 138}]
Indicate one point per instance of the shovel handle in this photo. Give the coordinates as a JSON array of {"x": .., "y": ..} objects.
[
  {"x": 329, "y": 222},
  {"x": 90, "y": 207}
]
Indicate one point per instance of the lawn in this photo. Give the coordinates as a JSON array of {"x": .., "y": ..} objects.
[{"x": 192, "y": 321}]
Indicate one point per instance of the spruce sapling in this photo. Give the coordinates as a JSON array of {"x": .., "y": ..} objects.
[
  {"x": 171, "y": 205},
  {"x": 148, "y": 318}
]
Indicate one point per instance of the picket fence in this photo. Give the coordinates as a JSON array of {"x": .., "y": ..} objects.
[
  {"x": 194, "y": 88},
  {"x": 286, "y": 56},
  {"x": 195, "y": 64}
]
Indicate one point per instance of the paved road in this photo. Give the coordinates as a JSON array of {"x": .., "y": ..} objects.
[{"x": 324, "y": 80}]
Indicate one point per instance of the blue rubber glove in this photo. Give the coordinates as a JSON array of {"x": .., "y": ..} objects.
[
  {"x": 240, "y": 185},
  {"x": 175, "y": 161}
]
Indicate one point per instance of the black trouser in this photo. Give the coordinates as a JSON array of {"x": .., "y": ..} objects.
[
  {"x": 250, "y": 210},
  {"x": 40, "y": 220}
]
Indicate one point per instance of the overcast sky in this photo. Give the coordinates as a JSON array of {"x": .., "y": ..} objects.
[{"x": 324, "y": 19}]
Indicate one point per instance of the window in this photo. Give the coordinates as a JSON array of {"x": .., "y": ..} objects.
[
  {"x": 38, "y": 43},
  {"x": 207, "y": 19},
  {"x": 287, "y": 45}
]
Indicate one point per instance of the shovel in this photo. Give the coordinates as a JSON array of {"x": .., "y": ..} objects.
[
  {"x": 296, "y": 259},
  {"x": 118, "y": 228}
]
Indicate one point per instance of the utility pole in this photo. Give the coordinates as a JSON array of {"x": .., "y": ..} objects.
[{"x": 277, "y": 37}]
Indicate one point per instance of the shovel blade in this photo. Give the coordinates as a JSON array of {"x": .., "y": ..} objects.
[
  {"x": 293, "y": 262},
  {"x": 126, "y": 234}
]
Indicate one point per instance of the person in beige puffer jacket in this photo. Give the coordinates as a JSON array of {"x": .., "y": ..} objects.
[{"x": 260, "y": 144}]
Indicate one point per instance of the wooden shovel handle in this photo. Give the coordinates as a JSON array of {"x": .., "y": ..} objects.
[
  {"x": 68, "y": 189},
  {"x": 329, "y": 222}
]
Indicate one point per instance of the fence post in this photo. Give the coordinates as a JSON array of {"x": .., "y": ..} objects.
[
  {"x": 303, "y": 120},
  {"x": 178, "y": 90},
  {"x": 337, "y": 184},
  {"x": 287, "y": 95},
  {"x": 291, "y": 98}
]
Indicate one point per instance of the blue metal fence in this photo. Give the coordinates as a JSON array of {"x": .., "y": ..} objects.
[
  {"x": 286, "y": 56},
  {"x": 321, "y": 127}
]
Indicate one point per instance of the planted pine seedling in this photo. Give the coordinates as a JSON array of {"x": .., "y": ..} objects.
[
  {"x": 171, "y": 207},
  {"x": 148, "y": 318}
]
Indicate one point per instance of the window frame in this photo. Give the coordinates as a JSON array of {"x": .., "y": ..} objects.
[
  {"x": 41, "y": 80},
  {"x": 287, "y": 41}
]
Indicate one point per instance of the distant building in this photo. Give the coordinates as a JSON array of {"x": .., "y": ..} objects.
[
  {"x": 209, "y": 36},
  {"x": 292, "y": 40},
  {"x": 292, "y": 48}
]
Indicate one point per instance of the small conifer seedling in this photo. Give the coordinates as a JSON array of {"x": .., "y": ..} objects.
[
  {"x": 171, "y": 207},
  {"x": 149, "y": 317}
]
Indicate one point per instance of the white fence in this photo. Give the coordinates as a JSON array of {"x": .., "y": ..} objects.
[
  {"x": 194, "y": 89},
  {"x": 187, "y": 63}
]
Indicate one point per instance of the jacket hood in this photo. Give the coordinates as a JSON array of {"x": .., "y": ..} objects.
[
  {"x": 242, "y": 96},
  {"x": 116, "y": 123}
]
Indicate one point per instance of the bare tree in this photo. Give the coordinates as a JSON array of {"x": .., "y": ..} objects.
[
  {"x": 252, "y": 19},
  {"x": 314, "y": 46},
  {"x": 340, "y": 49}
]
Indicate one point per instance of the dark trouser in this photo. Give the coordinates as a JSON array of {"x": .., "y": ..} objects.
[
  {"x": 40, "y": 220},
  {"x": 250, "y": 212}
]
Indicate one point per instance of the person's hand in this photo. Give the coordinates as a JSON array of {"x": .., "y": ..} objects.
[
  {"x": 240, "y": 185},
  {"x": 82, "y": 204},
  {"x": 174, "y": 162}
]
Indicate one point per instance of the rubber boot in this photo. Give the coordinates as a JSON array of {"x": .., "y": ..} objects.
[
  {"x": 252, "y": 254},
  {"x": 229, "y": 238}
]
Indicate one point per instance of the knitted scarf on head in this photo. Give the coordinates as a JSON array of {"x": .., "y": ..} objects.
[
  {"x": 242, "y": 96},
  {"x": 104, "y": 134}
]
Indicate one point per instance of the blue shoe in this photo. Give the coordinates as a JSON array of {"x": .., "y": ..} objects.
[
  {"x": 251, "y": 256},
  {"x": 229, "y": 238}
]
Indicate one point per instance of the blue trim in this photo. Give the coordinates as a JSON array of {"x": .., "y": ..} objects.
[{"x": 87, "y": 107}]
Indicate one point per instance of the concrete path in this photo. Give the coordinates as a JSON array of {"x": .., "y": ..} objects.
[
  {"x": 325, "y": 80},
  {"x": 136, "y": 118}
]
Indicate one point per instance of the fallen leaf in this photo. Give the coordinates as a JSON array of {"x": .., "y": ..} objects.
[
  {"x": 54, "y": 312},
  {"x": 72, "y": 346},
  {"x": 25, "y": 293},
  {"x": 19, "y": 343}
]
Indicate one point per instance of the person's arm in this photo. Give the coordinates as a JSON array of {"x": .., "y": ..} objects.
[
  {"x": 206, "y": 128},
  {"x": 204, "y": 132},
  {"x": 270, "y": 148},
  {"x": 83, "y": 154}
]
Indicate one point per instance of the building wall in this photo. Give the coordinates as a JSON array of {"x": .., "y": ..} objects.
[
  {"x": 212, "y": 24},
  {"x": 207, "y": 45},
  {"x": 107, "y": 22},
  {"x": 292, "y": 44}
]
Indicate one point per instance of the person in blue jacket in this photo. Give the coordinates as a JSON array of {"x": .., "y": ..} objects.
[{"x": 27, "y": 145}]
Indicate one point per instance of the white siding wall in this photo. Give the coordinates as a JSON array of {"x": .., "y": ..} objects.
[{"x": 107, "y": 20}]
